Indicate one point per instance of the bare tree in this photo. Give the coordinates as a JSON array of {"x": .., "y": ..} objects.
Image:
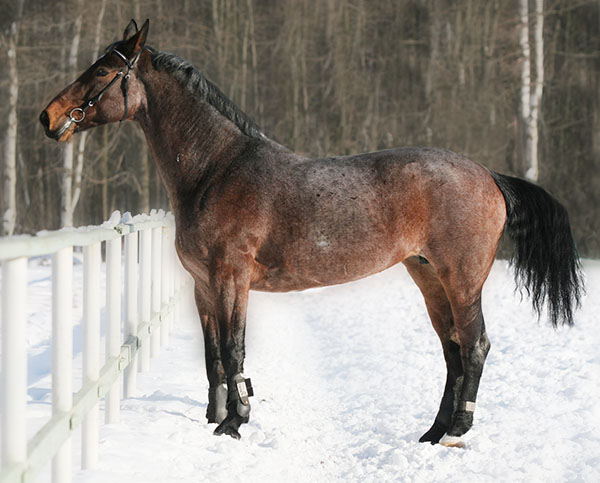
[
  {"x": 533, "y": 169},
  {"x": 76, "y": 186},
  {"x": 531, "y": 98},
  {"x": 67, "y": 193},
  {"x": 9, "y": 217}
]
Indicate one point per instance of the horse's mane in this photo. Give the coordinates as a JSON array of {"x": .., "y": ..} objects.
[{"x": 203, "y": 89}]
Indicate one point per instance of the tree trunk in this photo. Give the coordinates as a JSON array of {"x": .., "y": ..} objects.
[
  {"x": 532, "y": 172},
  {"x": 104, "y": 173},
  {"x": 9, "y": 217},
  {"x": 258, "y": 107},
  {"x": 66, "y": 204},
  {"x": 144, "y": 206},
  {"x": 72, "y": 186},
  {"x": 525, "y": 68},
  {"x": 531, "y": 98}
]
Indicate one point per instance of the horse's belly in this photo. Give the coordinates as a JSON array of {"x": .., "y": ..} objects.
[
  {"x": 284, "y": 281},
  {"x": 327, "y": 264}
]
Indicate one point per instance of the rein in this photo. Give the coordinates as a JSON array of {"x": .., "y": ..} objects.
[{"x": 77, "y": 118}]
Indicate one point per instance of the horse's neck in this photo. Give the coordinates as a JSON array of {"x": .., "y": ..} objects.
[{"x": 190, "y": 141}]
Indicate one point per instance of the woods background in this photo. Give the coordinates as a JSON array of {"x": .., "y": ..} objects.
[{"x": 321, "y": 77}]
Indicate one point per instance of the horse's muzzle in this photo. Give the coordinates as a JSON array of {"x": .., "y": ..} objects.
[
  {"x": 55, "y": 134},
  {"x": 45, "y": 120}
]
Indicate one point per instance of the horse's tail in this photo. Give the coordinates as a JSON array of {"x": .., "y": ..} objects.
[{"x": 545, "y": 258}]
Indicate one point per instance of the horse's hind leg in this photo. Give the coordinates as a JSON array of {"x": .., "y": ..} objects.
[
  {"x": 474, "y": 347},
  {"x": 463, "y": 287},
  {"x": 440, "y": 312}
]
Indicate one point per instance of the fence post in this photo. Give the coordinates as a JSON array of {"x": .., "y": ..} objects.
[
  {"x": 62, "y": 353},
  {"x": 131, "y": 301},
  {"x": 156, "y": 287},
  {"x": 14, "y": 362},
  {"x": 177, "y": 287},
  {"x": 145, "y": 291},
  {"x": 173, "y": 262},
  {"x": 165, "y": 284},
  {"x": 91, "y": 350},
  {"x": 113, "y": 323}
]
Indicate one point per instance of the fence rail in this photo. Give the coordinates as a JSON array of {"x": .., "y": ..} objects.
[{"x": 151, "y": 290}]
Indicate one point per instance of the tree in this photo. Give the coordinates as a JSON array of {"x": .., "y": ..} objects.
[
  {"x": 67, "y": 205},
  {"x": 531, "y": 98},
  {"x": 10, "y": 38},
  {"x": 76, "y": 186}
]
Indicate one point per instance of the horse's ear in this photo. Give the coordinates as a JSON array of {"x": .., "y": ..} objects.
[
  {"x": 131, "y": 29},
  {"x": 137, "y": 42}
]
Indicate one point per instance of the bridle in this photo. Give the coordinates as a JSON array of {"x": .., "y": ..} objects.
[{"x": 77, "y": 118}]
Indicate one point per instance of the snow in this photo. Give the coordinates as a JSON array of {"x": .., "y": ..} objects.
[
  {"x": 115, "y": 219},
  {"x": 346, "y": 380}
]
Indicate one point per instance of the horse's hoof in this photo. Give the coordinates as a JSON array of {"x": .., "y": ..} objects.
[
  {"x": 452, "y": 441},
  {"x": 230, "y": 426},
  {"x": 434, "y": 434},
  {"x": 228, "y": 430}
]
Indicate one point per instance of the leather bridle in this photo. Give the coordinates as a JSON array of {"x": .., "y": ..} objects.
[{"x": 77, "y": 118}]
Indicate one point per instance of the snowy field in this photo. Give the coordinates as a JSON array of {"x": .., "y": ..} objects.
[{"x": 347, "y": 378}]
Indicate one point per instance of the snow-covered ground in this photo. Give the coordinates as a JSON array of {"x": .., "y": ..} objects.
[{"x": 346, "y": 379}]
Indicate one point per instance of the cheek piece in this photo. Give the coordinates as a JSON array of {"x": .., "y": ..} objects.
[{"x": 78, "y": 114}]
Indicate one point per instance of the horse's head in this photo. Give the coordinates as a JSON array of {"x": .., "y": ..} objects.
[{"x": 108, "y": 91}]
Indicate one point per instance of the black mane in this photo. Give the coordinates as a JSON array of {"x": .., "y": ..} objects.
[{"x": 202, "y": 88}]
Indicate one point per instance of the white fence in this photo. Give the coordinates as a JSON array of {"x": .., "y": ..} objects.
[{"x": 153, "y": 281}]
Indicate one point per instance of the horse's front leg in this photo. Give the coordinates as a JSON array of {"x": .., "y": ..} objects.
[
  {"x": 231, "y": 285},
  {"x": 217, "y": 385}
]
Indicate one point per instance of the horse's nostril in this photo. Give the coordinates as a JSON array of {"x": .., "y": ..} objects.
[{"x": 45, "y": 120}]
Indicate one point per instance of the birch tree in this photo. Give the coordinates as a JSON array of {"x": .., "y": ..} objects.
[
  {"x": 66, "y": 203},
  {"x": 76, "y": 186},
  {"x": 532, "y": 172},
  {"x": 9, "y": 217},
  {"x": 531, "y": 95}
]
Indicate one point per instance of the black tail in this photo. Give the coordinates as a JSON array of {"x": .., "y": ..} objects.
[{"x": 545, "y": 258}]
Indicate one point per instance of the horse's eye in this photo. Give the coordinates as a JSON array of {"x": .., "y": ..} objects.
[{"x": 101, "y": 72}]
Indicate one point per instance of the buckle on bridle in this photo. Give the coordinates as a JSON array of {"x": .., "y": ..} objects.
[{"x": 73, "y": 118}]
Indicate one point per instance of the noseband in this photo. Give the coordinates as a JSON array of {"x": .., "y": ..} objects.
[{"x": 78, "y": 114}]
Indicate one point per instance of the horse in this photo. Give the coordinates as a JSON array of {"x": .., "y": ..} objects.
[{"x": 252, "y": 215}]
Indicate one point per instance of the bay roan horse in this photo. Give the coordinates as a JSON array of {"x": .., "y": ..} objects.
[{"x": 252, "y": 215}]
